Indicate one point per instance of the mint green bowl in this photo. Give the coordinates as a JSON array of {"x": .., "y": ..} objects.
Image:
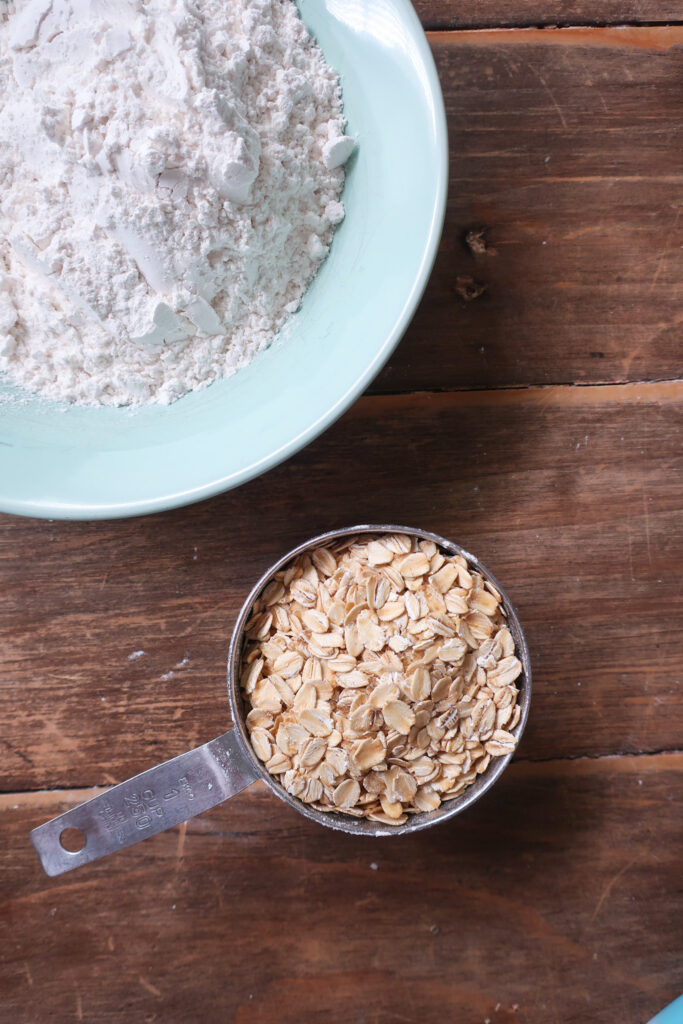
[{"x": 79, "y": 463}]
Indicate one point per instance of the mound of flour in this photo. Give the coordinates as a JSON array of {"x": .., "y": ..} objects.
[{"x": 170, "y": 178}]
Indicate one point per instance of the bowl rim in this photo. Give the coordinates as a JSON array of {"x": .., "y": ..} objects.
[
  {"x": 51, "y": 509},
  {"x": 340, "y": 822}
]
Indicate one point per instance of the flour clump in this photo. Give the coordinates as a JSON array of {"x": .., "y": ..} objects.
[{"x": 170, "y": 181}]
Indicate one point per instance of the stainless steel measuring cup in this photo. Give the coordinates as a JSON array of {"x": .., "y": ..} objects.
[{"x": 179, "y": 789}]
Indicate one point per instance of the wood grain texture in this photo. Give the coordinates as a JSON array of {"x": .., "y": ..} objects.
[
  {"x": 556, "y": 900},
  {"x": 443, "y": 14},
  {"x": 565, "y": 148},
  {"x": 572, "y": 496}
]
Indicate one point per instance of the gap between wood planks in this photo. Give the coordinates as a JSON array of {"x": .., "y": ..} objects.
[
  {"x": 555, "y": 23},
  {"x": 81, "y": 793},
  {"x": 667, "y": 389},
  {"x": 649, "y": 35}
]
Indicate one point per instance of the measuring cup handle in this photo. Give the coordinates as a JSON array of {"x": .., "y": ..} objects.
[{"x": 146, "y": 804}]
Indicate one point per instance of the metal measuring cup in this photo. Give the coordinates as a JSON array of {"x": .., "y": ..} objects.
[{"x": 179, "y": 789}]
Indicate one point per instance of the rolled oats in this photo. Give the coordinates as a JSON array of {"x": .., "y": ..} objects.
[{"x": 378, "y": 677}]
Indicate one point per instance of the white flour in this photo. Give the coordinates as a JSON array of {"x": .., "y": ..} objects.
[{"x": 170, "y": 178}]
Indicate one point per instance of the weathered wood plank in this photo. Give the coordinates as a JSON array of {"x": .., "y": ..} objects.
[
  {"x": 573, "y": 496},
  {"x": 557, "y": 900},
  {"x": 565, "y": 148},
  {"x": 443, "y": 14}
]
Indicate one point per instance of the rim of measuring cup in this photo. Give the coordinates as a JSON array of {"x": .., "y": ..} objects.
[{"x": 347, "y": 823}]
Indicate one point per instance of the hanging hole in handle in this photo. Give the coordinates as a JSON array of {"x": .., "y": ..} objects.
[{"x": 72, "y": 840}]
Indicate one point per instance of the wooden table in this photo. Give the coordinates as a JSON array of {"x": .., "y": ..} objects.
[{"x": 533, "y": 414}]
